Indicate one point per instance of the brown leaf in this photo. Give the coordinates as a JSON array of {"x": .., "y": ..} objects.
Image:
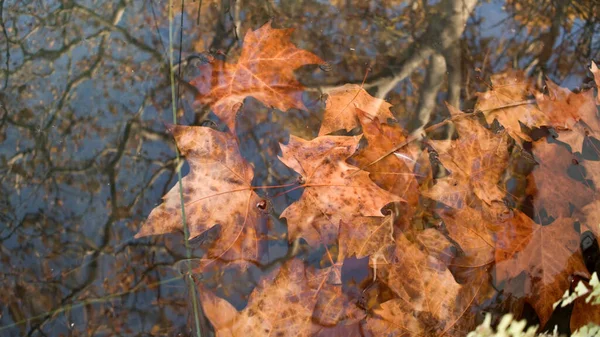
[
  {"x": 563, "y": 107},
  {"x": 508, "y": 102},
  {"x": 454, "y": 191},
  {"x": 436, "y": 245},
  {"x": 217, "y": 191},
  {"x": 291, "y": 304},
  {"x": 473, "y": 234},
  {"x": 429, "y": 303},
  {"x": 366, "y": 236},
  {"x": 549, "y": 184},
  {"x": 584, "y": 313},
  {"x": 333, "y": 189},
  {"x": 572, "y": 114},
  {"x": 393, "y": 173},
  {"x": 591, "y": 217},
  {"x": 513, "y": 235},
  {"x": 342, "y": 104},
  {"x": 547, "y": 254},
  {"x": 478, "y": 157},
  {"x": 264, "y": 70},
  {"x": 588, "y": 125}
]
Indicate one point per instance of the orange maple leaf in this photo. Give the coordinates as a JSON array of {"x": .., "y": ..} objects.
[
  {"x": 549, "y": 184},
  {"x": 474, "y": 235},
  {"x": 217, "y": 191},
  {"x": 297, "y": 302},
  {"x": 476, "y": 160},
  {"x": 343, "y": 103},
  {"x": 508, "y": 101},
  {"x": 547, "y": 254},
  {"x": 393, "y": 173},
  {"x": 265, "y": 71},
  {"x": 366, "y": 236},
  {"x": 430, "y": 302},
  {"x": 333, "y": 189}
]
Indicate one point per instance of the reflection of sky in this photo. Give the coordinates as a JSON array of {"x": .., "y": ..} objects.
[{"x": 492, "y": 14}]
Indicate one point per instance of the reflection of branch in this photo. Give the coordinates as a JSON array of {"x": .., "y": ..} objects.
[
  {"x": 453, "y": 57},
  {"x": 114, "y": 27},
  {"x": 3, "y": 26},
  {"x": 441, "y": 34},
  {"x": 430, "y": 89}
]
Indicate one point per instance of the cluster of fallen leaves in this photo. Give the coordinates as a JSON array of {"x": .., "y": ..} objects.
[{"x": 434, "y": 268}]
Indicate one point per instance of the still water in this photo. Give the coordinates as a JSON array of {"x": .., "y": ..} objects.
[{"x": 85, "y": 154}]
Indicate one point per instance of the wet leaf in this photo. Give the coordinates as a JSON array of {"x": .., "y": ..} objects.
[
  {"x": 334, "y": 190},
  {"x": 547, "y": 254},
  {"x": 430, "y": 304},
  {"x": 264, "y": 70},
  {"x": 217, "y": 191},
  {"x": 298, "y": 301},
  {"x": 343, "y": 105},
  {"x": 551, "y": 186},
  {"x": 476, "y": 160}
]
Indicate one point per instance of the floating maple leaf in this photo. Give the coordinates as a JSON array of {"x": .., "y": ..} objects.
[
  {"x": 590, "y": 216},
  {"x": 216, "y": 192},
  {"x": 584, "y": 313},
  {"x": 508, "y": 102},
  {"x": 547, "y": 254},
  {"x": 478, "y": 158},
  {"x": 550, "y": 185},
  {"x": 366, "y": 236},
  {"x": 391, "y": 173},
  {"x": 265, "y": 71},
  {"x": 430, "y": 304},
  {"x": 333, "y": 189},
  {"x": 572, "y": 114},
  {"x": 342, "y": 104},
  {"x": 473, "y": 234},
  {"x": 564, "y": 107},
  {"x": 296, "y": 303}
]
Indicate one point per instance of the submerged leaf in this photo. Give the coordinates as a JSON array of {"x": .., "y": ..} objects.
[
  {"x": 265, "y": 71},
  {"x": 334, "y": 191},
  {"x": 217, "y": 191}
]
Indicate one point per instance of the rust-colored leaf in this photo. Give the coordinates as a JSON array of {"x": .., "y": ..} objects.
[
  {"x": 584, "y": 313},
  {"x": 430, "y": 304},
  {"x": 547, "y": 254},
  {"x": 478, "y": 157},
  {"x": 217, "y": 191},
  {"x": 264, "y": 70},
  {"x": 509, "y": 102},
  {"x": 572, "y": 114},
  {"x": 366, "y": 236},
  {"x": 393, "y": 173},
  {"x": 341, "y": 108},
  {"x": 563, "y": 107},
  {"x": 473, "y": 234},
  {"x": 298, "y": 302},
  {"x": 550, "y": 185},
  {"x": 334, "y": 190}
]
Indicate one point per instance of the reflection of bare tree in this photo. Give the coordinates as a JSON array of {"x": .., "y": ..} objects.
[
  {"x": 84, "y": 155},
  {"x": 80, "y": 165}
]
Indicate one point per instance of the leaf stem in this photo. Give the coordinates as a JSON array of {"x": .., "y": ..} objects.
[{"x": 186, "y": 231}]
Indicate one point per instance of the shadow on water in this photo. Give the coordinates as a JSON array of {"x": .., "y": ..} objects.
[{"x": 85, "y": 155}]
